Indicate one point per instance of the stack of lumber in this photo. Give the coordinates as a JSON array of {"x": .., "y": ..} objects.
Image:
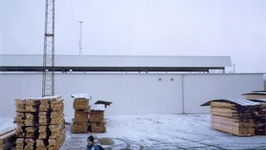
[
  {"x": 233, "y": 116},
  {"x": 7, "y": 139},
  {"x": 255, "y": 95},
  {"x": 40, "y": 122},
  {"x": 97, "y": 120},
  {"x": 260, "y": 111},
  {"x": 260, "y": 119},
  {"x": 80, "y": 105}
]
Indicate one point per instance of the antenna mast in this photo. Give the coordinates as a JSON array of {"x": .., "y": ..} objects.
[
  {"x": 80, "y": 37},
  {"x": 48, "y": 51}
]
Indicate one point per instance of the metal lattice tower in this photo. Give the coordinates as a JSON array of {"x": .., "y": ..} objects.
[{"x": 48, "y": 51}]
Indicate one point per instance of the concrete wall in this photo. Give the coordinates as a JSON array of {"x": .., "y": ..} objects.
[{"x": 132, "y": 93}]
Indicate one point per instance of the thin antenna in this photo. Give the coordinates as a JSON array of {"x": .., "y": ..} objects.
[{"x": 80, "y": 38}]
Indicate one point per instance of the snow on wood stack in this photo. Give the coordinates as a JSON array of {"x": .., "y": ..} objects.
[
  {"x": 7, "y": 139},
  {"x": 40, "y": 123},
  {"x": 260, "y": 111},
  {"x": 234, "y": 116},
  {"x": 97, "y": 121},
  {"x": 81, "y": 117}
]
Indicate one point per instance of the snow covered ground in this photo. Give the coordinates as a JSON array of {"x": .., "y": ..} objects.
[{"x": 151, "y": 132}]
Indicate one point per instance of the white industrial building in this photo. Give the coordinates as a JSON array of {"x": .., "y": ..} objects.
[{"x": 134, "y": 84}]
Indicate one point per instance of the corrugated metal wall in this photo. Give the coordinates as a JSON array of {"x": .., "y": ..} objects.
[{"x": 132, "y": 93}]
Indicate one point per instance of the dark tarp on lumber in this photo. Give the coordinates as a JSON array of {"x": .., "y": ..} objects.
[
  {"x": 106, "y": 103},
  {"x": 242, "y": 102},
  {"x": 259, "y": 100},
  {"x": 256, "y": 93}
]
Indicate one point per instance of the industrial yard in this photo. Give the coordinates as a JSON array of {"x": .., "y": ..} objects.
[
  {"x": 154, "y": 132},
  {"x": 177, "y": 75}
]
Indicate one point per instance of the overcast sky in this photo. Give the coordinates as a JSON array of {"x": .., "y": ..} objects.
[{"x": 235, "y": 28}]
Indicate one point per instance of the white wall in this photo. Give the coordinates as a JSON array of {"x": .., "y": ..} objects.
[
  {"x": 131, "y": 93},
  {"x": 201, "y": 88}
]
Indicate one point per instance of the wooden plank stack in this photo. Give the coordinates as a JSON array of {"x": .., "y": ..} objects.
[
  {"x": 7, "y": 139},
  {"x": 97, "y": 120},
  {"x": 88, "y": 117},
  {"x": 234, "y": 116},
  {"x": 81, "y": 117},
  {"x": 260, "y": 111},
  {"x": 40, "y": 123},
  {"x": 255, "y": 95}
]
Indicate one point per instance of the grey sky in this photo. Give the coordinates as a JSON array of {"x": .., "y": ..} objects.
[{"x": 233, "y": 28}]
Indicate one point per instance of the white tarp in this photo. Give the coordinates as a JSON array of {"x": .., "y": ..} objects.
[
  {"x": 97, "y": 107},
  {"x": 82, "y": 95}
]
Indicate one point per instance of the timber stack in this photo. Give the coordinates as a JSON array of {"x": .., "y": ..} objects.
[
  {"x": 40, "y": 122},
  {"x": 81, "y": 114},
  {"x": 260, "y": 111},
  {"x": 233, "y": 116},
  {"x": 7, "y": 139},
  {"x": 97, "y": 120}
]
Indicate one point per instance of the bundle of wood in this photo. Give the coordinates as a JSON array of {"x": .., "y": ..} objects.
[
  {"x": 97, "y": 120},
  {"x": 260, "y": 119},
  {"x": 255, "y": 95},
  {"x": 81, "y": 116},
  {"x": 98, "y": 127},
  {"x": 20, "y": 105},
  {"x": 57, "y": 124},
  {"x": 20, "y": 144},
  {"x": 34, "y": 118},
  {"x": 40, "y": 144},
  {"x": 260, "y": 111},
  {"x": 44, "y": 105},
  {"x": 81, "y": 106},
  {"x": 30, "y": 144},
  {"x": 79, "y": 127},
  {"x": 233, "y": 116},
  {"x": 7, "y": 139}
]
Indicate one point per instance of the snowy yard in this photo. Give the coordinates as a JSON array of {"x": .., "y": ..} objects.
[{"x": 151, "y": 132}]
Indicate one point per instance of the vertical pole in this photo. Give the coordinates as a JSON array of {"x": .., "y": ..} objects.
[
  {"x": 183, "y": 97},
  {"x": 80, "y": 37}
]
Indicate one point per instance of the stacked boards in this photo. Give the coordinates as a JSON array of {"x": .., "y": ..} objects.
[
  {"x": 234, "y": 116},
  {"x": 81, "y": 114},
  {"x": 88, "y": 117},
  {"x": 40, "y": 122},
  {"x": 260, "y": 111},
  {"x": 97, "y": 120},
  {"x": 7, "y": 140}
]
